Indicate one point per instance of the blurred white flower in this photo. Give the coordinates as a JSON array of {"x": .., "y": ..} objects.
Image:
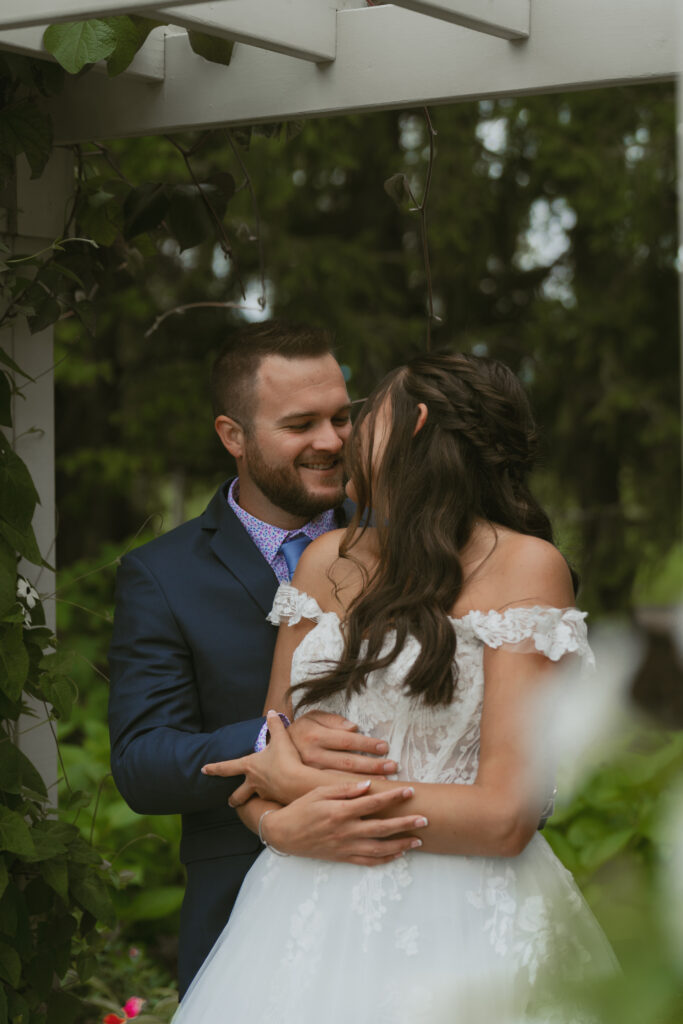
[
  {"x": 580, "y": 712},
  {"x": 671, "y": 874}
]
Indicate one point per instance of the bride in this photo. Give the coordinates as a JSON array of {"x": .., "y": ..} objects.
[{"x": 433, "y": 630}]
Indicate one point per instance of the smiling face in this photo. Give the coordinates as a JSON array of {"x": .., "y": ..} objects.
[{"x": 289, "y": 457}]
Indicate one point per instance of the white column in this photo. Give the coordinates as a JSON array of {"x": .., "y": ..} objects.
[{"x": 36, "y": 221}]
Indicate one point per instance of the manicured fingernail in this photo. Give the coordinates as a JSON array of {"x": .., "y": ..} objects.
[
  {"x": 363, "y": 785},
  {"x": 409, "y": 791},
  {"x": 203, "y": 771},
  {"x": 421, "y": 822},
  {"x": 415, "y": 843},
  {"x": 390, "y": 767},
  {"x": 271, "y": 714},
  {"x": 382, "y": 748}
]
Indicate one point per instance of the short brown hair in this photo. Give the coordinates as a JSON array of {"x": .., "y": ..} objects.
[{"x": 233, "y": 376}]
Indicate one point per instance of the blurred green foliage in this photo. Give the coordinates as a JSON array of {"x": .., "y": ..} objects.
[{"x": 553, "y": 246}]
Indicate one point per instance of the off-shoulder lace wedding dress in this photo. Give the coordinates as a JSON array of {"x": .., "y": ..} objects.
[{"x": 427, "y": 937}]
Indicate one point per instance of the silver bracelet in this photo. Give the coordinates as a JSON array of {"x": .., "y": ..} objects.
[{"x": 265, "y": 842}]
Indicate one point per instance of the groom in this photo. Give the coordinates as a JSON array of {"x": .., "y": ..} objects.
[{"x": 191, "y": 649}]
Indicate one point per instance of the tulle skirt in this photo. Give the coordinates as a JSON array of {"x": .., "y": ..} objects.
[{"x": 427, "y": 938}]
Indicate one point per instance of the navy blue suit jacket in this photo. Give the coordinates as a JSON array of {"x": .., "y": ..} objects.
[{"x": 190, "y": 661}]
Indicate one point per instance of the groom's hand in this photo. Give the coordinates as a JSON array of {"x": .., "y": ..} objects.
[
  {"x": 339, "y": 823},
  {"x": 324, "y": 740}
]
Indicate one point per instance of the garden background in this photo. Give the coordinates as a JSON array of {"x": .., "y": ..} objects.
[{"x": 551, "y": 229}]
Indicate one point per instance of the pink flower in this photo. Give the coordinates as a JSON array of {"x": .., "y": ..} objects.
[
  {"x": 113, "y": 1018},
  {"x": 132, "y": 1007},
  {"x": 133, "y": 952}
]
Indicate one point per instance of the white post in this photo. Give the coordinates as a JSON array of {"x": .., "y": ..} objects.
[{"x": 36, "y": 220}]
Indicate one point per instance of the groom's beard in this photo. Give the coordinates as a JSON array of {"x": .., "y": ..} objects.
[{"x": 283, "y": 486}]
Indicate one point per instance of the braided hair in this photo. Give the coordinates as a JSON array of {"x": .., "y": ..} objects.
[{"x": 469, "y": 461}]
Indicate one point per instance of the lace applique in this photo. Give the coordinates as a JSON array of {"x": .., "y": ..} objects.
[
  {"x": 553, "y": 632},
  {"x": 376, "y": 888},
  {"x": 292, "y": 605}
]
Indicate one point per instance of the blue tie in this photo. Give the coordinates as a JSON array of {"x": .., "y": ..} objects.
[{"x": 292, "y": 550}]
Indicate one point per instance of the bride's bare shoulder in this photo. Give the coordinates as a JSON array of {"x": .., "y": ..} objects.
[
  {"x": 521, "y": 569},
  {"x": 325, "y": 575}
]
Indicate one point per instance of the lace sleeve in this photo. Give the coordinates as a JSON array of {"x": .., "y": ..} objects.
[
  {"x": 292, "y": 605},
  {"x": 553, "y": 632}
]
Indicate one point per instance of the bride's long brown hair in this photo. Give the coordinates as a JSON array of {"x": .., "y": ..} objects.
[{"x": 470, "y": 460}]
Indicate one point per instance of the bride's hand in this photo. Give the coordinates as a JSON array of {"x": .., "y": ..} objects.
[{"x": 266, "y": 773}]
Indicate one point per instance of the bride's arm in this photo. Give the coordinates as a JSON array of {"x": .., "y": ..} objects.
[{"x": 499, "y": 813}]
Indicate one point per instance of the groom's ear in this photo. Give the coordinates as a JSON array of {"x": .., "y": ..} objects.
[
  {"x": 422, "y": 413},
  {"x": 231, "y": 434}
]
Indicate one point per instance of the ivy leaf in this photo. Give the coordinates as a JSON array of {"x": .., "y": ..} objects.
[
  {"x": 62, "y": 1008},
  {"x": 92, "y": 893},
  {"x": 25, "y": 128},
  {"x": 188, "y": 218},
  {"x": 47, "y": 312},
  {"x": 218, "y": 51},
  {"x": 16, "y": 770},
  {"x": 13, "y": 661},
  {"x": 15, "y": 836},
  {"x": 8, "y": 577},
  {"x": 56, "y": 874},
  {"x": 131, "y": 33},
  {"x": 5, "y": 401},
  {"x": 224, "y": 182},
  {"x": 144, "y": 209},
  {"x": 23, "y": 542},
  {"x": 59, "y": 692},
  {"x": 10, "y": 965},
  {"x": 398, "y": 189},
  {"x": 19, "y": 496},
  {"x": 78, "y": 43},
  {"x": 4, "y": 358}
]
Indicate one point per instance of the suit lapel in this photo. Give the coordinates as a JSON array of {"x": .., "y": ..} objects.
[{"x": 233, "y": 546}]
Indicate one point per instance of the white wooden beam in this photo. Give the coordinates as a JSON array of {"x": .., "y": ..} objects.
[
  {"x": 508, "y": 19},
  {"x": 147, "y": 64},
  {"x": 299, "y": 28},
  {"x": 48, "y": 12},
  {"x": 386, "y": 57}
]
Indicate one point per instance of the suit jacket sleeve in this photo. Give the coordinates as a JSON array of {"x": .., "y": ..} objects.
[{"x": 157, "y": 742}]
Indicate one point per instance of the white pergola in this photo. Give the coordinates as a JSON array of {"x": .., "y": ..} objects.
[{"x": 300, "y": 59}]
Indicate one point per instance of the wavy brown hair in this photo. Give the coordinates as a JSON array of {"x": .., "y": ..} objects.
[{"x": 471, "y": 460}]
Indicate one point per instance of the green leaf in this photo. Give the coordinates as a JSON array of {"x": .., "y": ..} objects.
[
  {"x": 62, "y": 1008},
  {"x": 152, "y": 904},
  {"x": 224, "y": 182},
  {"x": 23, "y": 542},
  {"x": 56, "y": 874},
  {"x": 593, "y": 854},
  {"x": 15, "y": 836},
  {"x": 144, "y": 209},
  {"x": 8, "y": 577},
  {"x": 188, "y": 218},
  {"x": 19, "y": 496},
  {"x": 131, "y": 33},
  {"x": 4, "y": 358},
  {"x": 86, "y": 965},
  {"x": 16, "y": 770},
  {"x": 25, "y": 128},
  {"x": 10, "y": 965},
  {"x": 59, "y": 692},
  {"x": 5, "y": 401},
  {"x": 91, "y": 893},
  {"x": 47, "y": 312},
  {"x": 78, "y": 43},
  {"x": 218, "y": 51},
  {"x": 14, "y": 663}
]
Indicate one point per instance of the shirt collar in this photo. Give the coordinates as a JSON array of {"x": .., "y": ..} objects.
[{"x": 267, "y": 537}]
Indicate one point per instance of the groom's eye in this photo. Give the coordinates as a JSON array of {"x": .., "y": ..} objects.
[{"x": 299, "y": 426}]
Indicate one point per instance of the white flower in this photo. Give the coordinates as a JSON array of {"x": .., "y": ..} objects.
[{"x": 26, "y": 593}]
